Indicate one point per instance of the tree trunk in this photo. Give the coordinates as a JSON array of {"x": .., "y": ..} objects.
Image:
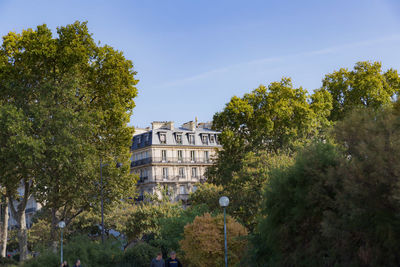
[
  {"x": 53, "y": 230},
  {"x": 18, "y": 212},
  {"x": 22, "y": 236},
  {"x": 4, "y": 229}
]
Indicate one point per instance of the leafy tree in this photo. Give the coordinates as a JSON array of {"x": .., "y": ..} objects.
[
  {"x": 172, "y": 228},
  {"x": 203, "y": 243},
  {"x": 364, "y": 227},
  {"x": 296, "y": 198},
  {"x": 72, "y": 100},
  {"x": 143, "y": 221},
  {"x": 365, "y": 86},
  {"x": 245, "y": 190},
  {"x": 207, "y": 194},
  {"x": 273, "y": 118}
]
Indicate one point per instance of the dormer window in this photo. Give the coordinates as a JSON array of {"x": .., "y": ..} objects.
[
  {"x": 139, "y": 138},
  {"x": 146, "y": 138},
  {"x": 163, "y": 138},
  {"x": 204, "y": 139},
  {"x": 191, "y": 139},
  {"x": 212, "y": 139},
  {"x": 178, "y": 138}
]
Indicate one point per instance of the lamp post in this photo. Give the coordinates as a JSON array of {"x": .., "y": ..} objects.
[
  {"x": 224, "y": 202},
  {"x": 101, "y": 196},
  {"x": 61, "y": 224}
]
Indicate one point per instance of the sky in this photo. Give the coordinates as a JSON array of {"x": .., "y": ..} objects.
[{"x": 192, "y": 56}]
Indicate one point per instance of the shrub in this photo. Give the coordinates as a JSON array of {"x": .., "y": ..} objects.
[
  {"x": 203, "y": 243},
  {"x": 139, "y": 255}
]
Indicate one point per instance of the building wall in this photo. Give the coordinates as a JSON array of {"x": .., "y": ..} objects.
[{"x": 173, "y": 158}]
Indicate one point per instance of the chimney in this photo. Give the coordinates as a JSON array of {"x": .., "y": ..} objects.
[{"x": 189, "y": 125}]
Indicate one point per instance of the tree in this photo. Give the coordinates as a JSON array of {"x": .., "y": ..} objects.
[
  {"x": 364, "y": 227},
  {"x": 296, "y": 198},
  {"x": 273, "y": 118},
  {"x": 365, "y": 86},
  {"x": 203, "y": 243},
  {"x": 74, "y": 100},
  {"x": 245, "y": 190}
]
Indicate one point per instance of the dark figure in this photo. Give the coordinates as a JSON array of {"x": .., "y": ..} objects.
[
  {"x": 64, "y": 264},
  {"x": 173, "y": 261},
  {"x": 158, "y": 261},
  {"x": 78, "y": 263}
]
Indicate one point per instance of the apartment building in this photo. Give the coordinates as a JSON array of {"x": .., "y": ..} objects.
[{"x": 173, "y": 158}]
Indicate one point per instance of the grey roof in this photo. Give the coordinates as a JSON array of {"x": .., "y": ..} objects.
[{"x": 152, "y": 137}]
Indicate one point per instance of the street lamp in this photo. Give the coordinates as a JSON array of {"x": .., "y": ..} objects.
[
  {"x": 101, "y": 196},
  {"x": 224, "y": 202},
  {"x": 61, "y": 224}
]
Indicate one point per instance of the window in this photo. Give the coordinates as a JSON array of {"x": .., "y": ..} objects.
[
  {"x": 212, "y": 138},
  {"x": 181, "y": 172},
  {"x": 194, "y": 172},
  {"x": 139, "y": 138},
  {"x": 191, "y": 139},
  {"x": 165, "y": 173},
  {"x": 182, "y": 190},
  {"x": 179, "y": 138},
  {"x": 146, "y": 138},
  {"x": 180, "y": 155},
  {"x": 192, "y": 156},
  {"x": 206, "y": 156},
  {"x": 164, "y": 155},
  {"x": 163, "y": 138},
  {"x": 194, "y": 188},
  {"x": 204, "y": 139}
]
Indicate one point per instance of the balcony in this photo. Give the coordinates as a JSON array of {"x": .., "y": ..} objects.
[{"x": 171, "y": 160}]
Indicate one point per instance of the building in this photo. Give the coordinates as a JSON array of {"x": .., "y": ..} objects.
[{"x": 173, "y": 158}]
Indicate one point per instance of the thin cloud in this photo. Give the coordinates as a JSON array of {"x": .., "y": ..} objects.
[{"x": 323, "y": 51}]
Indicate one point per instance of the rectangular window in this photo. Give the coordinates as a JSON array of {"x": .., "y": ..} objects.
[
  {"x": 164, "y": 155},
  {"x": 206, "y": 156},
  {"x": 204, "y": 139},
  {"x": 139, "y": 138},
  {"x": 179, "y": 138},
  {"x": 163, "y": 138},
  {"x": 212, "y": 138},
  {"x": 165, "y": 173},
  {"x": 191, "y": 139},
  {"x": 182, "y": 190},
  {"x": 180, "y": 155},
  {"x": 194, "y": 188},
  {"x": 181, "y": 172},
  {"x": 194, "y": 172},
  {"x": 192, "y": 156},
  {"x": 146, "y": 138}
]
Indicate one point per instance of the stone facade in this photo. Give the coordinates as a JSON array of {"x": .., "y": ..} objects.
[{"x": 173, "y": 158}]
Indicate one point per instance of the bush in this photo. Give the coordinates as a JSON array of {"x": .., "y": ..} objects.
[
  {"x": 91, "y": 253},
  {"x": 139, "y": 255},
  {"x": 203, "y": 242},
  {"x": 7, "y": 262}
]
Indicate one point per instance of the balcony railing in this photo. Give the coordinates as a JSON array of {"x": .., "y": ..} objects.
[
  {"x": 172, "y": 178},
  {"x": 171, "y": 160}
]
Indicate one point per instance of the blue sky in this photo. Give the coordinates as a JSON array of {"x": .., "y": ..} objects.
[{"x": 193, "y": 56}]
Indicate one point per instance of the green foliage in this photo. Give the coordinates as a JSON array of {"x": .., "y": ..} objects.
[
  {"x": 172, "y": 228},
  {"x": 245, "y": 190},
  {"x": 296, "y": 198},
  {"x": 207, "y": 194},
  {"x": 364, "y": 227},
  {"x": 65, "y": 102},
  {"x": 7, "y": 262},
  {"x": 46, "y": 258},
  {"x": 365, "y": 86},
  {"x": 140, "y": 255},
  {"x": 273, "y": 118},
  {"x": 144, "y": 219}
]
